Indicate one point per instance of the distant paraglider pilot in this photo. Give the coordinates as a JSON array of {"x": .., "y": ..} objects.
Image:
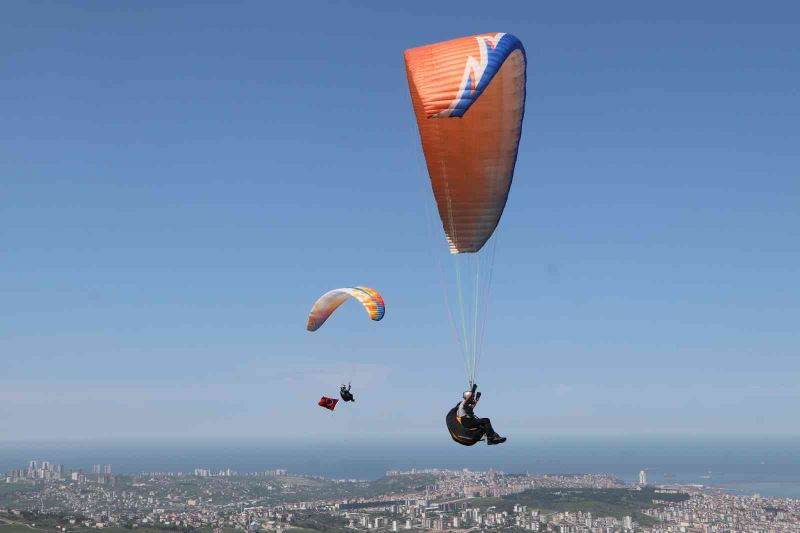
[
  {"x": 345, "y": 393},
  {"x": 466, "y": 428}
]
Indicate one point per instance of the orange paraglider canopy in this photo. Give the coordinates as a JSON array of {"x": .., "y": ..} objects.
[{"x": 469, "y": 97}]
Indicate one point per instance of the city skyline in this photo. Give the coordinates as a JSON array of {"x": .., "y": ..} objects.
[{"x": 422, "y": 499}]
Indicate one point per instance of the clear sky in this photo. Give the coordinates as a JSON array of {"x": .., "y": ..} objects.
[{"x": 179, "y": 182}]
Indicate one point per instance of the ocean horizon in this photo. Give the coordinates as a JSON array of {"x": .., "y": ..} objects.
[{"x": 769, "y": 466}]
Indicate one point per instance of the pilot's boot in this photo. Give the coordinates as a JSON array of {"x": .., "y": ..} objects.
[{"x": 496, "y": 439}]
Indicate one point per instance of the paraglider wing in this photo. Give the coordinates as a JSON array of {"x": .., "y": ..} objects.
[
  {"x": 328, "y": 403},
  {"x": 469, "y": 98},
  {"x": 330, "y": 301}
]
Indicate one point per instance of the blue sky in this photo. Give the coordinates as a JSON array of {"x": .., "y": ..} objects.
[{"x": 179, "y": 182}]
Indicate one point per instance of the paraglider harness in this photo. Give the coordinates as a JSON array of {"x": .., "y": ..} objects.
[
  {"x": 345, "y": 393},
  {"x": 460, "y": 433}
]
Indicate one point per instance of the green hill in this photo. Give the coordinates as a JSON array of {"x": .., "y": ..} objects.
[{"x": 600, "y": 502}]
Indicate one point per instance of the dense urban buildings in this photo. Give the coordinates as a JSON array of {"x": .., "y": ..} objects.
[{"x": 420, "y": 500}]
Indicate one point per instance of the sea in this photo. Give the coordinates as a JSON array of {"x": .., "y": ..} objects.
[{"x": 769, "y": 466}]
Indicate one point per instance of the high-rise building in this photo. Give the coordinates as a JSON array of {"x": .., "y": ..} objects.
[
  {"x": 95, "y": 469},
  {"x": 627, "y": 522},
  {"x": 642, "y": 477},
  {"x": 108, "y": 469}
]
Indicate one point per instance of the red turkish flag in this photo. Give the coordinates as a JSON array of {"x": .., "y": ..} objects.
[{"x": 328, "y": 403}]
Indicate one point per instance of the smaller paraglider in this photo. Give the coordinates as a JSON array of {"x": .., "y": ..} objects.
[
  {"x": 330, "y": 301},
  {"x": 345, "y": 393},
  {"x": 328, "y": 403},
  {"x": 324, "y": 307}
]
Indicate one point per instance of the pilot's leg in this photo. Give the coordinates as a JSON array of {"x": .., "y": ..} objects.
[
  {"x": 486, "y": 426},
  {"x": 471, "y": 422}
]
